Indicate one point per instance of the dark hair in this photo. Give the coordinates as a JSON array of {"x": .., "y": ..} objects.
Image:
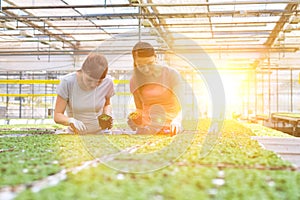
[
  {"x": 143, "y": 49},
  {"x": 95, "y": 65}
]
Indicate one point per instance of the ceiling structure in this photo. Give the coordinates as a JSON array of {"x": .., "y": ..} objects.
[{"x": 257, "y": 34}]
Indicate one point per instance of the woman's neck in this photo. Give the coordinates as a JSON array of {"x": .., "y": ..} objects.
[{"x": 80, "y": 80}]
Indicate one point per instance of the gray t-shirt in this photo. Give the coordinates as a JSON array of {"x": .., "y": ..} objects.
[{"x": 85, "y": 105}]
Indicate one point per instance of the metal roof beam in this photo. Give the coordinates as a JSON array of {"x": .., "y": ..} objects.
[
  {"x": 220, "y": 3},
  {"x": 180, "y": 49},
  {"x": 34, "y": 26},
  {"x": 255, "y": 13},
  {"x": 290, "y": 8},
  {"x": 179, "y": 25}
]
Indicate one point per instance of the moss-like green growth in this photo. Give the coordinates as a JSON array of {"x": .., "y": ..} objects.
[{"x": 236, "y": 167}]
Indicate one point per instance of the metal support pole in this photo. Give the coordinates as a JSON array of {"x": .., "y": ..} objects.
[
  {"x": 7, "y": 98},
  {"x": 269, "y": 86},
  {"x": 255, "y": 91},
  {"x": 20, "y": 98},
  {"x": 277, "y": 97},
  {"x": 140, "y": 12},
  {"x": 263, "y": 92},
  {"x": 291, "y": 81}
]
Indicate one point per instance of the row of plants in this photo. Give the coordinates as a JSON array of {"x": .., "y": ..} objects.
[
  {"x": 218, "y": 175},
  {"x": 25, "y": 159},
  {"x": 174, "y": 182},
  {"x": 29, "y": 129},
  {"x": 260, "y": 130},
  {"x": 283, "y": 114}
]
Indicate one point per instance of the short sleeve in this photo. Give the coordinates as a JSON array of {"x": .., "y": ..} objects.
[
  {"x": 176, "y": 83},
  {"x": 110, "y": 91},
  {"x": 62, "y": 89},
  {"x": 174, "y": 78},
  {"x": 131, "y": 85}
]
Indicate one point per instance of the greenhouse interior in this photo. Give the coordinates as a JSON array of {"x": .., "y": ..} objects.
[{"x": 236, "y": 135}]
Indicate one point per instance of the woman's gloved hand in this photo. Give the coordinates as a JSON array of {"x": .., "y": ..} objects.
[
  {"x": 175, "y": 125},
  {"x": 76, "y": 125}
]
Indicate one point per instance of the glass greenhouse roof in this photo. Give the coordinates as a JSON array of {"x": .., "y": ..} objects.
[{"x": 255, "y": 28}]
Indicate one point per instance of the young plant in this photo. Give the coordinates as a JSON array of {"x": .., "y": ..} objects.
[{"x": 105, "y": 121}]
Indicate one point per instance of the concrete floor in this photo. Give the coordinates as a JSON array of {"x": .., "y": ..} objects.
[{"x": 287, "y": 148}]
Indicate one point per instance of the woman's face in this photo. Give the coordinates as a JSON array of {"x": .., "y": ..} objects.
[
  {"x": 90, "y": 82},
  {"x": 145, "y": 64}
]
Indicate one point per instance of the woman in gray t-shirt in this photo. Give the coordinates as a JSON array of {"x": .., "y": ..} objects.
[{"x": 84, "y": 95}]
